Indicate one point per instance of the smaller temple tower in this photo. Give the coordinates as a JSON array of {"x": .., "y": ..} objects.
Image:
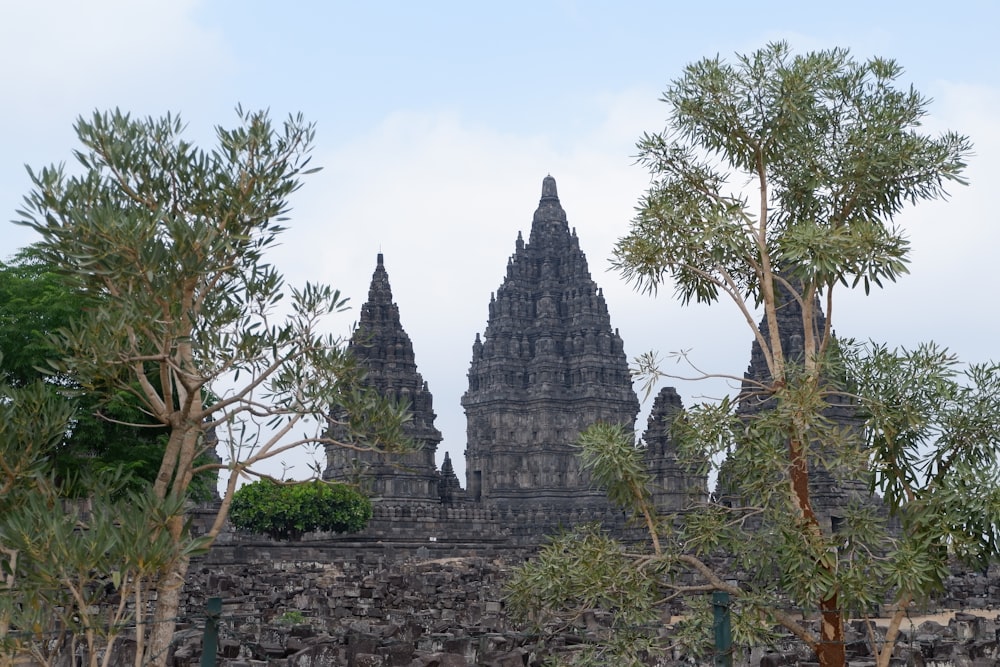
[
  {"x": 831, "y": 490},
  {"x": 385, "y": 349},
  {"x": 674, "y": 485}
]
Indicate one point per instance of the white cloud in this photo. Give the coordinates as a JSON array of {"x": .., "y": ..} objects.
[{"x": 58, "y": 50}]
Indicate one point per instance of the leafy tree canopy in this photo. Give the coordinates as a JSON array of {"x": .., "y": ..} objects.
[
  {"x": 35, "y": 303},
  {"x": 108, "y": 430},
  {"x": 775, "y": 185},
  {"x": 190, "y": 320}
]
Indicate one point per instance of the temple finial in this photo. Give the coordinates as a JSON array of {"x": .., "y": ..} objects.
[{"x": 549, "y": 188}]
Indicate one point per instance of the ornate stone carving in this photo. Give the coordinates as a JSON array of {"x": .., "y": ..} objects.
[
  {"x": 674, "y": 485},
  {"x": 548, "y": 365},
  {"x": 386, "y": 350}
]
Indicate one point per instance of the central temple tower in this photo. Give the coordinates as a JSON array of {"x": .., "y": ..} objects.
[{"x": 548, "y": 365}]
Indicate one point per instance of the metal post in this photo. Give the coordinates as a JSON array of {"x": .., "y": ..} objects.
[
  {"x": 723, "y": 629},
  {"x": 210, "y": 641}
]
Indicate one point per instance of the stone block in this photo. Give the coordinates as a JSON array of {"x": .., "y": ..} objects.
[
  {"x": 362, "y": 643},
  {"x": 318, "y": 655},
  {"x": 303, "y": 630},
  {"x": 294, "y": 645},
  {"x": 229, "y": 648},
  {"x": 985, "y": 651},
  {"x": 964, "y": 627},
  {"x": 399, "y": 654},
  {"x": 460, "y": 645},
  {"x": 513, "y": 658}
]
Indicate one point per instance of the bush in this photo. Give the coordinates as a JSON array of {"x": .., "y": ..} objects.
[{"x": 286, "y": 511}]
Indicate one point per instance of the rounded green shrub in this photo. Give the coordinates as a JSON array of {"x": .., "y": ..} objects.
[{"x": 286, "y": 511}]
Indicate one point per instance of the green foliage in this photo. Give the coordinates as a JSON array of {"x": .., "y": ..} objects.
[
  {"x": 108, "y": 430},
  {"x": 830, "y": 145},
  {"x": 166, "y": 242},
  {"x": 582, "y": 569},
  {"x": 32, "y": 423},
  {"x": 67, "y": 567},
  {"x": 586, "y": 570},
  {"x": 77, "y": 564},
  {"x": 148, "y": 198},
  {"x": 286, "y": 511},
  {"x": 616, "y": 465},
  {"x": 775, "y": 184},
  {"x": 35, "y": 303},
  {"x": 292, "y": 617},
  {"x": 933, "y": 441}
]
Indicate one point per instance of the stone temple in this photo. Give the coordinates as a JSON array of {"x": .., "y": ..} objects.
[
  {"x": 548, "y": 365},
  {"x": 382, "y": 345}
]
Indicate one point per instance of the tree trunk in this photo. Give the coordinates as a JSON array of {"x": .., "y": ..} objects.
[
  {"x": 830, "y": 650},
  {"x": 884, "y": 654},
  {"x": 168, "y": 602}
]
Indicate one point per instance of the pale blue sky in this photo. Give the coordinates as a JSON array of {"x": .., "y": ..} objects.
[{"x": 437, "y": 122}]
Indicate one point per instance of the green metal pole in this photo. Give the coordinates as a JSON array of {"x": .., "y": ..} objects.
[
  {"x": 210, "y": 641},
  {"x": 723, "y": 629}
]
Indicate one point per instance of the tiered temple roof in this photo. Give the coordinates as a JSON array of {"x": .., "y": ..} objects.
[
  {"x": 548, "y": 365},
  {"x": 385, "y": 349},
  {"x": 675, "y": 483}
]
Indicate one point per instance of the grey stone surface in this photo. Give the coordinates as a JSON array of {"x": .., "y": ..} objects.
[
  {"x": 366, "y": 609},
  {"x": 548, "y": 365},
  {"x": 385, "y": 350},
  {"x": 674, "y": 484}
]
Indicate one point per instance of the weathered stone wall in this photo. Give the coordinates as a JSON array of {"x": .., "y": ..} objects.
[
  {"x": 424, "y": 583},
  {"x": 361, "y": 611},
  {"x": 342, "y": 602},
  {"x": 464, "y": 528}
]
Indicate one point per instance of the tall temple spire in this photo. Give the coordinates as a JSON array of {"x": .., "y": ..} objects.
[
  {"x": 548, "y": 365},
  {"x": 385, "y": 349}
]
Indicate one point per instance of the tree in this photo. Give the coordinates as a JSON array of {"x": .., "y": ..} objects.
[
  {"x": 169, "y": 240},
  {"x": 109, "y": 430},
  {"x": 286, "y": 511},
  {"x": 34, "y": 303},
  {"x": 775, "y": 186},
  {"x": 71, "y": 573},
  {"x": 80, "y": 574}
]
